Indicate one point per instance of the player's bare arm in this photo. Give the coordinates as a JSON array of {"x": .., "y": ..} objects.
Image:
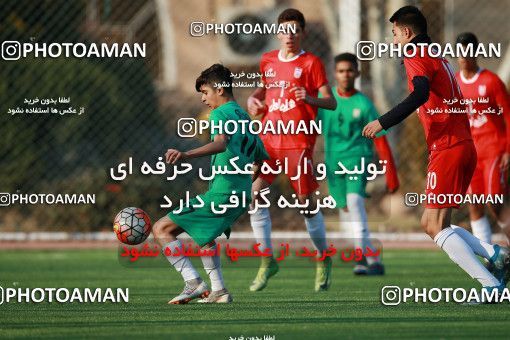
[
  {"x": 505, "y": 161},
  {"x": 255, "y": 102},
  {"x": 503, "y": 101},
  {"x": 256, "y": 170},
  {"x": 384, "y": 151},
  {"x": 219, "y": 144},
  {"x": 326, "y": 102}
]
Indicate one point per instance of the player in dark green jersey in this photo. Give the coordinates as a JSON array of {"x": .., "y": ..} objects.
[
  {"x": 204, "y": 224},
  {"x": 344, "y": 143}
]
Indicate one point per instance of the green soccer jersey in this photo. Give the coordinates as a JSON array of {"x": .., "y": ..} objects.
[
  {"x": 248, "y": 147},
  {"x": 342, "y": 127}
]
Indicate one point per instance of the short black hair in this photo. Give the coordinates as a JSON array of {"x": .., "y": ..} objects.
[
  {"x": 347, "y": 57},
  {"x": 216, "y": 74},
  {"x": 410, "y": 16},
  {"x": 292, "y": 14},
  {"x": 467, "y": 38}
]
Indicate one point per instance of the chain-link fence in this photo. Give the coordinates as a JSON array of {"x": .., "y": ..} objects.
[{"x": 116, "y": 108}]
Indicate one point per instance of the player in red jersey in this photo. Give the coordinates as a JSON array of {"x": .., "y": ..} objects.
[
  {"x": 491, "y": 135},
  {"x": 293, "y": 80},
  {"x": 452, "y": 154}
]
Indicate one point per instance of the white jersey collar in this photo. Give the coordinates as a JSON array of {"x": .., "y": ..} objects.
[
  {"x": 282, "y": 59},
  {"x": 472, "y": 79}
]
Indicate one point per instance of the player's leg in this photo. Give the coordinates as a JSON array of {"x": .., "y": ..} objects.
[
  {"x": 480, "y": 224},
  {"x": 356, "y": 193},
  {"x": 314, "y": 223},
  {"x": 361, "y": 267},
  {"x": 261, "y": 224},
  {"x": 503, "y": 218},
  {"x": 496, "y": 185},
  {"x": 361, "y": 233},
  {"x": 450, "y": 171},
  {"x": 165, "y": 232},
  {"x": 337, "y": 185},
  {"x": 212, "y": 266},
  {"x": 261, "y": 220},
  {"x": 317, "y": 231},
  {"x": 498, "y": 212},
  {"x": 305, "y": 187},
  {"x": 436, "y": 223},
  {"x": 498, "y": 258}
]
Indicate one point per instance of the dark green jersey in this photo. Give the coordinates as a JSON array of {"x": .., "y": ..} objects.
[
  {"x": 342, "y": 127},
  {"x": 248, "y": 147}
]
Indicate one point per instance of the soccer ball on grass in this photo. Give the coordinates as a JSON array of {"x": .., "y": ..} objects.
[{"x": 132, "y": 225}]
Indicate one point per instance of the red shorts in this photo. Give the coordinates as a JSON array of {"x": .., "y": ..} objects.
[
  {"x": 449, "y": 172},
  {"x": 488, "y": 178},
  {"x": 302, "y": 185}
]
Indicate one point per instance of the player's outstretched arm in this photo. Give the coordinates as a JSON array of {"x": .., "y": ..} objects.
[
  {"x": 417, "y": 98},
  {"x": 503, "y": 101},
  {"x": 326, "y": 100},
  {"x": 384, "y": 152},
  {"x": 219, "y": 144},
  {"x": 255, "y": 102}
]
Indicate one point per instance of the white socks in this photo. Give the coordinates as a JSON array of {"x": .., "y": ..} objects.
[
  {"x": 482, "y": 229},
  {"x": 480, "y": 247},
  {"x": 355, "y": 221},
  {"x": 462, "y": 254},
  {"x": 212, "y": 266},
  {"x": 181, "y": 263},
  {"x": 317, "y": 230},
  {"x": 261, "y": 225}
]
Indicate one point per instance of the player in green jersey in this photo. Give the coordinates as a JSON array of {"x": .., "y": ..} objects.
[
  {"x": 344, "y": 143},
  {"x": 205, "y": 223}
]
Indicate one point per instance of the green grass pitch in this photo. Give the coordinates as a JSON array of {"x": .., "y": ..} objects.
[{"x": 287, "y": 309}]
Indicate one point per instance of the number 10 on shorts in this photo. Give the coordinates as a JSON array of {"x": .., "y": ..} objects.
[{"x": 431, "y": 180}]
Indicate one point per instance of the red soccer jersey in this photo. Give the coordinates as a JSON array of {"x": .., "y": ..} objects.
[
  {"x": 485, "y": 91},
  {"x": 443, "y": 129},
  {"x": 279, "y": 76}
]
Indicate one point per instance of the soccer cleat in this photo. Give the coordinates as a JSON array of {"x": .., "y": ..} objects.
[
  {"x": 323, "y": 275},
  {"x": 501, "y": 264},
  {"x": 361, "y": 267},
  {"x": 192, "y": 290},
  {"x": 219, "y": 296},
  {"x": 376, "y": 268},
  {"x": 268, "y": 268},
  {"x": 489, "y": 265}
]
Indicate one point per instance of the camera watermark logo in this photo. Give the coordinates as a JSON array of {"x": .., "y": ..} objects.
[
  {"x": 11, "y": 50},
  {"x": 14, "y": 50},
  {"x": 64, "y": 295},
  {"x": 369, "y": 50},
  {"x": 5, "y": 199},
  {"x": 197, "y": 28},
  {"x": 187, "y": 127},
  {"x": 411, "y": 199},
  {"x": 395, "y": 295},
  {"x": 391, "y": 295},
  {"x": 190, "y": 127},
  {"x": 200, "y": 28},
  {"x": 365, "y": 50}
]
